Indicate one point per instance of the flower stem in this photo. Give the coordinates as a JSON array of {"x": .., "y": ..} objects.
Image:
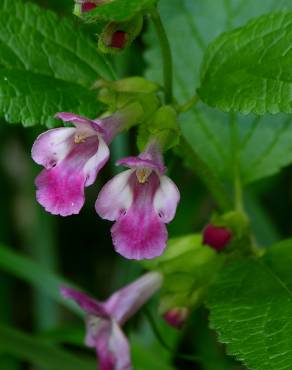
[
  {"x": 166, "y": 55},
  {"x": 238, "y": 195},
  {"x": 189, "y": 104},
  {"x": 164, "y": 344},
  {"x": 210, "y": 180}
]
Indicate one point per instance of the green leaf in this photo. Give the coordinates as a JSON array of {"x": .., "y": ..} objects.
[
  {"x": 279, "y": 259},
  {"x": 263, "y": 142},
  {"x": 32, "y": 98},
  {"x": 251, "y": 309},
  {"x": 248, "y": 69},
  {"x": 191, "y": 26},
  {"x": 24, "y": 268},
  {"x": 188, "y": 268},
  {"x": 145, "y": 359},
  {"x": 37, "y": 55},
  {"x": 119, "y": 10},
  {"x": 40, "y": 353}
]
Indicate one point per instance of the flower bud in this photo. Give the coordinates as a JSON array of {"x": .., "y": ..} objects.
[
  {"x": 176, "y": 317},
  {"x": 118, "y": 40},
  {"x": 83, "y": 6},
  {"x": 86, "y": 7},
  {"x": 216, "y": 237},
  {"x": 117, "y": 36}
]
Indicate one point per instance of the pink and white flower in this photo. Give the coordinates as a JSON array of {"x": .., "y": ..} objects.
[
  {"x": 141, "y": 200},
  {"x": 72, "y": 158},
  {"x": 104, "y": 319}
]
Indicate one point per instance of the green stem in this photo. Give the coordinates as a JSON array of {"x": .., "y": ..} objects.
[
  {"x": 164, "y": 344},
  {"x": 238, "y": 195},
  {"x": 210, "y": 180},
  {"x": 166, "y": 55},
  {"x": 113, "y": 73},
  {"x": 188, "y": 105}
]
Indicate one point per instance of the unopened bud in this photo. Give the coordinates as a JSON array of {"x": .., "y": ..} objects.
[
  {"x": 83, "y": 6},
  {"x": 176, "y": 317},
  {"x": 216, "y": 237},
  {"x": 119, "y": 40},
  {"x": 86, "y": 7},
  {"x": 117, "y": 36}
]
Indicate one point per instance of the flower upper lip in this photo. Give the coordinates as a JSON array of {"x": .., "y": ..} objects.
[
  {"x": 137, "y": 162},
  {"x": 74, "y": 118}
]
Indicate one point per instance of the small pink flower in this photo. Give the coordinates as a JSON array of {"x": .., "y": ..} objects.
[
  {"x": 141, "y": 200},
  {"x": 104, "y": 320},
  {"x": 176, "y": 317},
  {"x": 72, "y": 158},
  {"x": 216, "y": 237}
]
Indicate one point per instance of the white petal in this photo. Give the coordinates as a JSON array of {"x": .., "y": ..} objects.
[
  {"x": 127, "y": 301},
  {"x": 119, "y": 346},
  {"x": 52, "y": 146},
  {"x": 95, "y": 163},
  {"x": 166, "y": 199},
  {"x": 115, "y": 197}
]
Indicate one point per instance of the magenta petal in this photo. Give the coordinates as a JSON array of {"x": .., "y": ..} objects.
[
  {"x": 60, "y": 190},
  {"x": 113, "y": 348},
  {"x": 139, "y": 235},
  {"x": 136, "y": 162},
  {"x": 92, "y": 126},
  {"x": 128, "y": 300},
  {"x": 53, "y": 146},
  {"x": 60, "y": 193},
  {"x": 88, "y": 304},
  {"x": 139, "y": 232}
]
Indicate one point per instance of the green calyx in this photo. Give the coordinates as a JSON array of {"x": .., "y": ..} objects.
[
  {"x": 118, "y": 36},
  {"x": 162, "y": 126},
  {"x": 116, "y": 94},
  {"x": 188, "y": 268},
  {"x": 131, "y": 85},
  {"x": 77, "y": 10}
]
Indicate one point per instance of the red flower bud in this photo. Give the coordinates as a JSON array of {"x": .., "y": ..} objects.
[
  {"x": 176, "y": 317},
  {"x": 216, "y": 237},
  {"x": 88, "y": 6},
  {"x": 119, "y": 39}
]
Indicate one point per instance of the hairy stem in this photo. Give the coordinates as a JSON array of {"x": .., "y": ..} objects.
[{"x": 166, "y": 55}]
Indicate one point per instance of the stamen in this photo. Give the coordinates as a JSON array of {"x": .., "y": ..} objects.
[
  {"x": 143, "y": 174},
  {"x": 80, "y": 138}
]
